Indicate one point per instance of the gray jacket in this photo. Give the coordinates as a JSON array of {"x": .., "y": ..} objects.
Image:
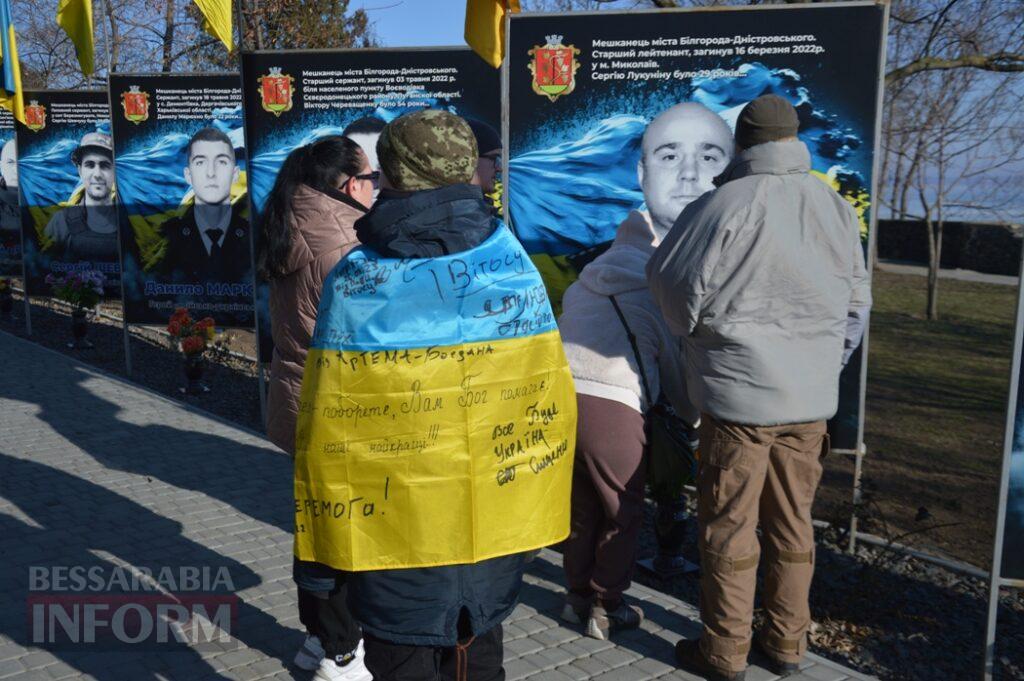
[{"x": 764, "y": 280}]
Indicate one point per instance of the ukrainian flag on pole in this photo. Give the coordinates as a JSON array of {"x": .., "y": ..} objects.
[
  {"x": 217, "y": 15},
  {"x": 75, "y": 17},
  {"x": 10, "y": 88},
  {"x": 485, "y": 27}
]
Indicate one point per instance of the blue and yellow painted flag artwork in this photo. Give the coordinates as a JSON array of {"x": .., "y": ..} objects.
[{"x": 437, "y": 420}]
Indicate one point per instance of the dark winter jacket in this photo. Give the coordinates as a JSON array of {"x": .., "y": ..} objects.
[{"x": 421, "y": 606}]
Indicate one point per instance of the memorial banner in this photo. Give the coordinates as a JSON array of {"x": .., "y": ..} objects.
[
  {"x": 66, "y": 182},
  {"x": 293, "y": 98},
  {"x": 437, "y": 421},
  {"x": 613, "y": 112},
  {"x": 1013, "y": 531},
  {"x": 181, "y": 166},
  {"x": 10, "y": 219}
]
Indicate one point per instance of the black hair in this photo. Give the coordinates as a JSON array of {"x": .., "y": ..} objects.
[
  {"x": 319, "y": 165},
  {"x": 487, "y": 138},
  {"x": 79, "y": 152},
  {"x": 210, "y": 135},
  {"x": 367, "y": 125}
]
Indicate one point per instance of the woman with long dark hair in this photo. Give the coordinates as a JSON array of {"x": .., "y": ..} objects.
[{"x": 320, "y": 191}]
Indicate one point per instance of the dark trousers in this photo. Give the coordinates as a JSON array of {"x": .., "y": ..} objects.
[
  {"x": 473, "y": 659},
  {"x": 329, "y": 619},
  {"x": 607, "y": 499}
]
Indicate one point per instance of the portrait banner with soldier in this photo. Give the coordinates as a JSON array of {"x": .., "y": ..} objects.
[
  {"x": 295, "y": 98},
  {"x": 615, "y": 114},
  {"x": 10, "y": 220},
  {"x": 65, "y": 177},
  {"x": 185, "y": 234}
]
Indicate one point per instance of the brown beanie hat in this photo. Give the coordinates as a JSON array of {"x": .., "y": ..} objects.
[
  {"x": 766, "y": 119},
  {"x": 427, "y": 149}
]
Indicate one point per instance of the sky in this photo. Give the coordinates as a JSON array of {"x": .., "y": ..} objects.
[{"x": 404, "y": 23}]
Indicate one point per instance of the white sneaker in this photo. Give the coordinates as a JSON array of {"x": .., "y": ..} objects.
[
  {"x": 310, "y": 654},
  {"x": 349, "y": 667}
]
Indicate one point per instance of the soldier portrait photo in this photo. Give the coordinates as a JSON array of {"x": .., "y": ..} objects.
[
  {"x": 208, "y": 242},
  {"x": 86, "y": 230}
]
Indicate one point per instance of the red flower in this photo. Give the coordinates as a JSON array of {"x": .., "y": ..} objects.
[
  {"x": 174, "y": 328},
  {"x": 193, "y": 345}
]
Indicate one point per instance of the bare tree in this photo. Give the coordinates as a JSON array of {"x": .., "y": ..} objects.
[{"x": 167, "y": 36}]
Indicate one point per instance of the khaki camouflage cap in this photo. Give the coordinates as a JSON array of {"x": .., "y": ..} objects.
[{"x": 427, "y": 149}]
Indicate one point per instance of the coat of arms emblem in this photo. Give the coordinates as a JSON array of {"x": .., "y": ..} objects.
[
  {"x": 276, "y": 91},
  {"x": 35, "y": 116},
  {"x": 554, "y": 67},
  {"x": 136, "y": 105}
]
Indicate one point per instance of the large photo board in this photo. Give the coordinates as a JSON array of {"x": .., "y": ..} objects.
[
  {"x": 10, "y": 219},
  {"x": 1013, "y": 529},
  {"x": 293, "y": 98},
  {"x": 69, "y": 197},
  {"x": 181, "y": 166},
  {"x": 584, "y": 87}
]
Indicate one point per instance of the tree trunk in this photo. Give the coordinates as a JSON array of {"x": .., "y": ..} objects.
[
  {"x": 934, "y": 263},
  {"x": 168, "y": 52}
]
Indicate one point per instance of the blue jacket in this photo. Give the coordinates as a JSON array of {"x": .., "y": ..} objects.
[{"x": 421, "y": 606}]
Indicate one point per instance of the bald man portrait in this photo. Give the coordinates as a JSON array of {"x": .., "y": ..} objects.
[{"x": 684, "y": 148}]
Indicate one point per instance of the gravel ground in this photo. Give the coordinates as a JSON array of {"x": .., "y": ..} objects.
[
  {"x": 154, "y": 364},
  {"x": 880, "y": 612},
  {"x": 884, "y": 613}
]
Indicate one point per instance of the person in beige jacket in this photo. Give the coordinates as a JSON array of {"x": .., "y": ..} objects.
[{"x": 320, "y": 191}]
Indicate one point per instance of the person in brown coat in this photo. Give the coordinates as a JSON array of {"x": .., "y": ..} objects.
[{"x": 320, "y": 191}]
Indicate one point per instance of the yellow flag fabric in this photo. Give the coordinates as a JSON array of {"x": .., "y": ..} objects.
[
  {"x": 217, "y": 22},
  {"x": 437, "y": 418},
  {"x": 10, "y": 70},
  {"x": 75, "y": 17},
  {"x": 485, "y": 27}
]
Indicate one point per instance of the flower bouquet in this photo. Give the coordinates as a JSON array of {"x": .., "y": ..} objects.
[
  {"x": 194, "y": 338},
  {"x": 83, "y": 290}
]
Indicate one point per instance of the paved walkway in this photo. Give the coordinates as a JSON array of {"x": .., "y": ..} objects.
[
  {"x": 100, "y": 473},
  {"x": 900, "y": 267}
]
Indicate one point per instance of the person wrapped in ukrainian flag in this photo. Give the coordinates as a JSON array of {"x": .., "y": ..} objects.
[{"x": 437, "y": 420}]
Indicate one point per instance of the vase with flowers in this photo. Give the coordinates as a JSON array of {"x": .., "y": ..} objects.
[
  {"x": 193, "y": 337},
  {"x": 82, "y": 290}
]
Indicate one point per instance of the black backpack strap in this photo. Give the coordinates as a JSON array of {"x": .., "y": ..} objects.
[
  {"x": 74, "y": 216},
  {"x": 636, "y": 351}
]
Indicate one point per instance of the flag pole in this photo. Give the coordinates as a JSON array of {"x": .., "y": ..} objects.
[{"x": 106, "y": 38}]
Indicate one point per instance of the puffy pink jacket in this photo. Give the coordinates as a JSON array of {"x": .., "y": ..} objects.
[{"x": 322, "y": 233}]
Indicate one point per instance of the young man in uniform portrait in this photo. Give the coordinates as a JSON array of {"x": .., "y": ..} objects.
[
  {"x": 209, "y": 241},
  {"x": 87, "y": 229}
]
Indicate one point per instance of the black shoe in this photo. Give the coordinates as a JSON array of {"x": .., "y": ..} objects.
[
  {"x": 691, "y": 658},
  {"x": 775, "y": 665}
]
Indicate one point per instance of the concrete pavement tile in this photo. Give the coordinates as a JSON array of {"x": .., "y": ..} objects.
[{"x": 520, "y": 668}]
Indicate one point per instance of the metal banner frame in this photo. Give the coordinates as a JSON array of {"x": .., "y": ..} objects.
[{"x": 996, "y": 581}]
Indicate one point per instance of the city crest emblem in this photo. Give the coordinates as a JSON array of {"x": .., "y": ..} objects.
[
  {"x": 554, "y": 67},
  {"x": 276, "y": 91},
  {"x": 35, "y": 116},
  {"x": 136, "y": 105}
]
